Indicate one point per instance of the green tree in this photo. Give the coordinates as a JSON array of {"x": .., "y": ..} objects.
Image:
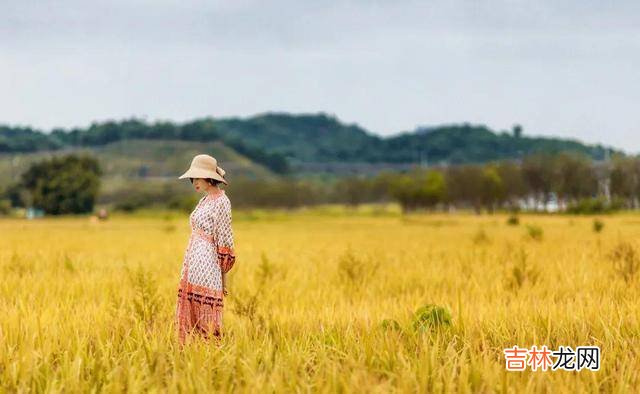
[
  {"x": 574, "y": 178},
  {"x": 514, "y": 185},
  {"x": 538, "y": 172},
  {"x": 419, "y": 189},
  {"x": 492, "y": 191},
  {"x": 403, "y": 190},
  {"x": 463, "y": 186},
  {"x": 625, "y": 180},
  {"x": 63, "y": 185},
  {"x": 434, "y": 189}
]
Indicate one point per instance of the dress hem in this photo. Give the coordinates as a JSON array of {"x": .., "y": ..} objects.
[
  {"x": 201, "y": 293},
  {"x": 199, "y": 309}
]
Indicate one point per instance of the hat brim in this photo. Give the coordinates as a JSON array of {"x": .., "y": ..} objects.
[{"x": 198, "y": 173}]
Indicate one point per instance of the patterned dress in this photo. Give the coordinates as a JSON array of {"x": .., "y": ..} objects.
[{"x": 210, "y": 253}]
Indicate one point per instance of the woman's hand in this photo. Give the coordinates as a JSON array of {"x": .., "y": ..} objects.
[{"x": 224, "y": 284}]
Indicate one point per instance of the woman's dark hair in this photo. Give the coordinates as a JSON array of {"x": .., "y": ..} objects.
[{"x": 213, "y": 182}]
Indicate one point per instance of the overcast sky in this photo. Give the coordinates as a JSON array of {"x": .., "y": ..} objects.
[{"x": 564, "y": 68}]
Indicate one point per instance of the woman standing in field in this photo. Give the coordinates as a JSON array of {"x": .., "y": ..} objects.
[{"x": 209, "y": 255}]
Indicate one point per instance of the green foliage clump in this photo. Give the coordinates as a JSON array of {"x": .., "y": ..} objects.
[
  {"x": 535, "y": 232},
  {"x": 63, "y": 185},
  {"x": 431, "y": 316},
  {"x": 589, "y": 206},
  {"x": 598, "y": 225},
  {"x": 390, "y": 325}
]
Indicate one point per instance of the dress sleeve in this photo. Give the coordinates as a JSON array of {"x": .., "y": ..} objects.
[{"x": 224, "y": 236}]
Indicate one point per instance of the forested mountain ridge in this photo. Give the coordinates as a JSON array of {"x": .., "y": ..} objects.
[
  {"x": 466, "y": 143},
  {"x": 277, "y": 140}
]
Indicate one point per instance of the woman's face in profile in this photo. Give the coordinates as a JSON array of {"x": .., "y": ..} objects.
[{"x": 199, "y": 184}]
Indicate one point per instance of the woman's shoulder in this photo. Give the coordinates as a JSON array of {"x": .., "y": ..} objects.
[
  {"x": 224, "y": 199},
  {"x": 220, "y": 199}
]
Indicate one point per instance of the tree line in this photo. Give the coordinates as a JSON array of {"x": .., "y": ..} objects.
[
  {"x": 71, "y": 184},
  {"x": 572, "y": 181}
]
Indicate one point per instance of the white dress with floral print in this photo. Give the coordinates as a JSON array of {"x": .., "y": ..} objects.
[{"x": 209, "y": 253}]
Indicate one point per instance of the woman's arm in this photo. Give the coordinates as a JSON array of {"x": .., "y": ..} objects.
[
  {"x": 224, "y": 283},
  {"x": 224, "y": 237}
]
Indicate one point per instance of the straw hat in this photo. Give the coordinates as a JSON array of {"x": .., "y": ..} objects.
[{"x": 205, "y": 166}]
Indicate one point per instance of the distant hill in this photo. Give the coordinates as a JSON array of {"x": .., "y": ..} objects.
[
  {"x": 281, "y": 142},
  {"x": 127, "y": 161},
  {"x": 321, "y": 138},
  {"x": 477, "y": 144}
]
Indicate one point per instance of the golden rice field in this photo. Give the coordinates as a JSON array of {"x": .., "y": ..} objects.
[{"x": 88, "y": 306}]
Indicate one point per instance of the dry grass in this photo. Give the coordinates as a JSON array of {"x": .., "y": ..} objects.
[{"x": 89, "y": 306}]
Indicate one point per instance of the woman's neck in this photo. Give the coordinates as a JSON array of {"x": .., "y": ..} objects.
[{"x": 213, "y": 191}]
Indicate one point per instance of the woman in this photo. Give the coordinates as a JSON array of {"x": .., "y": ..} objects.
[{"x": 209, "y": 255}]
